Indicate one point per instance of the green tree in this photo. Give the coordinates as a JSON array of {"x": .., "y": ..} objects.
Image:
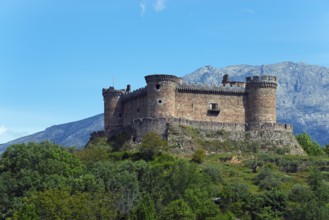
[
  {"x": 144, "y": 209},
  {"x": 311, "y": 147},
  {"x": 315, "y": 179},
  {"x": 267, "y": 179},
  {"x": 59, "y": 204},
  {"x": 152, "y": 145},
  {"x": 121, "y": 179},
  {"x": 177, "y": 209},
  {"x": 201, "y": 203},
  {"x": 27, "y": 168}
]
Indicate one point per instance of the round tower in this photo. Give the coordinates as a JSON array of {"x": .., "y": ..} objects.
[
  {"x": 112, "y": 109},
  {"x": 161, "y": 95},
  {"x": 261, "y": 99}
]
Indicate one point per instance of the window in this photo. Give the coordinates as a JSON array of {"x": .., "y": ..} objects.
[
  {"x": 213, "y": 106},
  {"x": 138, "y": 110},
  {"x": 213, "y": 109},
  {"x": 157, "y": 86},
  {"x": 120, "y": 115},
  {"x": 159, "y": 101}
]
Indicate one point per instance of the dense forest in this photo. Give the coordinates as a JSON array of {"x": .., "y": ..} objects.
[{"x": 104, "y": 181}]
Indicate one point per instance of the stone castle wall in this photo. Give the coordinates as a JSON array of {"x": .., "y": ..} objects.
[
  {"x": 196, "y": 106},
  {"x": 160, "y": 126},
  {"x": 165, "y": 96}
]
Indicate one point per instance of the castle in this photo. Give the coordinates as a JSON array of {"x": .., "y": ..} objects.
[{"x": 167, "y": 100}]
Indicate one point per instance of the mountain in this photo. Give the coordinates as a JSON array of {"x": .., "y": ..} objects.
[
  {"x": 302, "y": 98},
  {"x": 301, "y": 101},
  {"x": 70, "y": 134}
]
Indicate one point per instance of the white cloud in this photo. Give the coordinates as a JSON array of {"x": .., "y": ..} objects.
[
  {"x": 7, "y": 134},
  {"x": 143, "y": 7},
  {"x": 3, "y": 130},
  {"x": 159, "y": 5}
]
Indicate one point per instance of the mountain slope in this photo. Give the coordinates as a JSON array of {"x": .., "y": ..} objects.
[
  {"x": 301, "y": 95},
  {"x": 70, "y": 134},
  {"x": 301, "y": 101}
]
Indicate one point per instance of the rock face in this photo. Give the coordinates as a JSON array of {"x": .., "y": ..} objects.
[
  {"x": 187, "y": 139},
  {"x": 302, "y": 98},
  {"x": 71, "y": 134}
]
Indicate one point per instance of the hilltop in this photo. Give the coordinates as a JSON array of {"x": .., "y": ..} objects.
[{"x": 301, "y": 101}]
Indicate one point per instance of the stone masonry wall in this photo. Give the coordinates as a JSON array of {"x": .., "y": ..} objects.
[
  {"x": 134, "y": 108},
  {"x": 161, "y": 99},
  {"x": 195, "y": 106}
]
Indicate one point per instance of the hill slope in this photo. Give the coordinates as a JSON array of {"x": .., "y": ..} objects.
[
  {"x": 70, "y": 134},
  {"x": 301, "y": 95}
]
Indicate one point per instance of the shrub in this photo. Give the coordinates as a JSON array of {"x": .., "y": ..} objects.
[
  {"x": 152, "y": 145},
  {"x": 199, "y": 156},
  {"x": 311, "y": 147},
  {"x": 267, "y": 179}
]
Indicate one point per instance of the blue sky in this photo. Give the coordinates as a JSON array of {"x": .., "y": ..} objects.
[{"x": 57, "y": 55}]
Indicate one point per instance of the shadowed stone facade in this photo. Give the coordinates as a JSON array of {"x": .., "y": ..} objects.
[{"x": 167, "y": 101}]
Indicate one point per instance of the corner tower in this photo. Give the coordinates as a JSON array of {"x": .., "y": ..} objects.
[
  {"x": 261, "y": 106},
  {"x": 161, "y": 95},
  {"x": 112, "y": 109}
]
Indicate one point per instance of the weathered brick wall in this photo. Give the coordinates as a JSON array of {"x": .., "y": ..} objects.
[
  {"x": 112, "y": 109},
  {"x": 194, "y": 106},
  {"x": 161, "y": 99},
  {"x": 134, "y": 108},
  {"x": 261, "y": 105}
]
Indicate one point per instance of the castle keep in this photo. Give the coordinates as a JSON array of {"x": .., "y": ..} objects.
[{"x": 167, "y": 100}]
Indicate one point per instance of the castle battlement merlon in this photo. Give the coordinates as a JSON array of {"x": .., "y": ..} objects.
[
  {"x": 113, "y": 92},
  {"x": 163, "y": 77},
  {"x": 141, "y": 92},
  {"x": 263, "y": 81},
  {"x": 186, "y": 88}
]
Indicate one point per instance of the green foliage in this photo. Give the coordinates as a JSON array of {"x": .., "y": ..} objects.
[
  {"x": 45, "y": 181},
  {"x": 119, "y": 179},
  {"x": 59, "y": 204},
  {"x": 311, "y": 147},
  {"x": 177, "y": 209},
  {"x": 326, "y": 149},
  {"x": 27, "y": 168},
  {"x": 152, "y": 145},
  {"x": 120, "y": 141},
  {"x": 315, "y": 179},
  {"x": 144, "y": 209},
  {"x": 200, "y": 203},
  {"x": 199, "y": 156},
  {"x": 267, "y": 179},
  {"x": 214, "y": 173},
  {"x": 93, "y": 153}
]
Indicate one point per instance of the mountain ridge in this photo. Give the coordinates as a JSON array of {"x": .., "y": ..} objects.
[{"x": 301, "y": 101}]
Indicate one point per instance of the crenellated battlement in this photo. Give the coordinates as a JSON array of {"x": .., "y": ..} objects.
[
  {"x": 163, "y": 77},
  {"x": 138, "y": 93},
  {"x": 212, "y": 89},
  {"x": 262, "y": 81},
  {"x": 113, "y": 92}
]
